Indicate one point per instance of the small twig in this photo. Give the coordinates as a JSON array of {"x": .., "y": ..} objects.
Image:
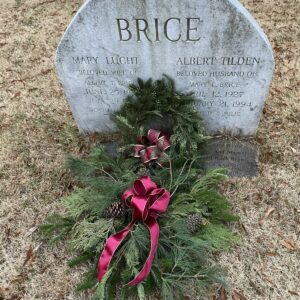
[
  {"x": 179, "y": 183},
  {"x": 108, "y": 175},
  {"x": 180, "y": 173},
  {"x": 174, "y": 267},
  {"x": 188, "y": 173},
  {"x": 180, "y": 200},
  {"x": 171, "y": 173},
  {"x": 185, "y": 276},
  {"x": 121, "y": 253},
  {"x": 44, "y": 2}
]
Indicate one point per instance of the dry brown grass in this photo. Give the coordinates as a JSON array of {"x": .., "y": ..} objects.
[{"x": 37, "y": 131}]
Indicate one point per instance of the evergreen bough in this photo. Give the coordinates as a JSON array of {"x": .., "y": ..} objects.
[
  {"x": 181, "y": 266},
  {"x": 158, "y": 105}
]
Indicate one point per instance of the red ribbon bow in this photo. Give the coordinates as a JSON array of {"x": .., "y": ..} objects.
[
  {"x": 152, "y": 147},
  {"x": 147, "y": 201}
]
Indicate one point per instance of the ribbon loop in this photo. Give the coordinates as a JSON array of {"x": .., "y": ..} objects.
[
  {"x": 152, "y": 147},
  {"x": 147, "y": 201}
]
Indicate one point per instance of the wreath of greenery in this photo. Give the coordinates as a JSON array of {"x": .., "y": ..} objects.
[{"x": 194, "y": 225}]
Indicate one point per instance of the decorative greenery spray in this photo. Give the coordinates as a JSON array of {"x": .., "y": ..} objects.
[{"x": 193, "y": 226}]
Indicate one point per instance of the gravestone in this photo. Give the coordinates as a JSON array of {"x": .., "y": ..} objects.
[{"x": 213, "y": 48}]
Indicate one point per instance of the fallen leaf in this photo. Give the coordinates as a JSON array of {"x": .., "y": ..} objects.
[
  {"x": 279, "y": 233},
  {"x": 289, "y": 244},
  {"x": 294, "y": 293},
  {"x": 29, "y": 255},
  {"x": 267, "y": 214},
  {"x": 238, "y": 296},
  {"x": 223, "y": 294},
  {"x": 20, "y": 278},
  {"x": 3, "y": 292},
  {"x": 16, "y": 95},
  {"x": 220, "y": 294}
]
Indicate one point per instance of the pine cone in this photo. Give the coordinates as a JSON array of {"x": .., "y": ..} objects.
[
  {"x": 193, "y": 222},
  {"x": 143, "y": 171},
  {"x": 115, "y": 210}
]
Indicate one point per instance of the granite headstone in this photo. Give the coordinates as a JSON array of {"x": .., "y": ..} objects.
[{"x": 211, "y": 47}]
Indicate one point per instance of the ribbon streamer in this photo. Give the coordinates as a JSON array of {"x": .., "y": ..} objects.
[
  {"x": 147, "y": 201},
  {"x": 152, "y": 147}
]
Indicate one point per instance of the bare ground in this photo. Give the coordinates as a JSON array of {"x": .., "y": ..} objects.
[{"x": 37, "y": 131}]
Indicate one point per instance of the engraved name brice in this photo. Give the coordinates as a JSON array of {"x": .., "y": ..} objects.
[
  {"x": 112, "y": 60},
  {"x": 172, "y": 29}
]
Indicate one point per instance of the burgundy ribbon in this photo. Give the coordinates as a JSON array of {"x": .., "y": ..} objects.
[
  {"x": 147, "y": 201},
  {"x": 152, "y": 147}
]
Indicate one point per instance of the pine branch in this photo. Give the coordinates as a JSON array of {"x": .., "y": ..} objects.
[
  {"x": 158, "y": 105},
  {"x": 182, "y": 266},
  {"x": 56, "y": 227}
]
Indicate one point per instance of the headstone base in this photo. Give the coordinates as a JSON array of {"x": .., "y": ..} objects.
[{"x": 239, "y": 156}]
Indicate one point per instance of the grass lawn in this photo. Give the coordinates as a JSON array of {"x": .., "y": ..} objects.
[{"x": 38, "y": 131}]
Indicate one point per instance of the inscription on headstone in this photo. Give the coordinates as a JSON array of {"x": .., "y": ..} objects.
[
  {"x": 211, "y": 47},
  {"x": 238, "y": 156}
]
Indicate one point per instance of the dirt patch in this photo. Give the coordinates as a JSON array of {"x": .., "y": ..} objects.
[{"x": 37, "y": 131}]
